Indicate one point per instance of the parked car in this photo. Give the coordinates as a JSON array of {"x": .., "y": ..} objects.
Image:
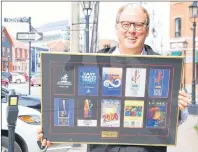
[
  {"x": 36, "y": 80},
  {"x": 28, "y": 122},
  {"x": 18, "y": 78},
  {"x": 4, "y": 81},
  {"x": 24, "y": 74},
  {"x": 7, "y": 75},
  {"x": 24, "y": 99}
]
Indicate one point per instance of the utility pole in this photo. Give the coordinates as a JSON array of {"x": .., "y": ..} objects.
[
  {"x": 30, "y": 57},
  {"x": 74, "y": 40},
  {"x": 94, "y": 39}
]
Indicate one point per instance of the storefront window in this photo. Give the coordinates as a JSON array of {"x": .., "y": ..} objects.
[{"x": 18, "y": 53}]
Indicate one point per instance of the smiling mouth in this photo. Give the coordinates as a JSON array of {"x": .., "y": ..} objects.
[{"x": 131, "y": 38}]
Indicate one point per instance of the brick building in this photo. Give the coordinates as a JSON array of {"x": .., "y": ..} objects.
[
  {"x": 181, "y": 38},
  {"x": 20, "y": 56},
  {"x": 6, "y": 53}
]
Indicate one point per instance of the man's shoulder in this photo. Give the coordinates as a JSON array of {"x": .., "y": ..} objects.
[{"x": 147, "y": 48}]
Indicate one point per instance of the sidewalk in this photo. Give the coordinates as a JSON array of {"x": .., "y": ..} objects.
[{"x": 187, "y": 140}]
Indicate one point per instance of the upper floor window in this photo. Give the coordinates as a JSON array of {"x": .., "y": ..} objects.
[
  {"x": 18, "y": 53},
  {"x": 23, "y": 53},
  {"x": 8, "y": 52},
  {"x": 3, "y": 51},
  {"x": 3, "y": 36},
  {"x": 177, "y": 27}
]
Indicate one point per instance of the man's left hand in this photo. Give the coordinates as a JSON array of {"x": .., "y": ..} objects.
[{"x": 183, "y": 100}]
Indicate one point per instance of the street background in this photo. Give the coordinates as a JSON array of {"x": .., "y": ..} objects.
[{"x": 187, "y": 137}]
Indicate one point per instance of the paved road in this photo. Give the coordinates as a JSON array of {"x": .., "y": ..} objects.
[
  {"x": 187, "y": 137},
  {"x": 23, "y": 88}
]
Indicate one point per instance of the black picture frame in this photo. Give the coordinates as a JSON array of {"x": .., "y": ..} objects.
[{"x": 103, "y": 111}]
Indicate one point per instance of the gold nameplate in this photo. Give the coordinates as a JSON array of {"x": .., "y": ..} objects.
[{"x": 109, "y": 134}]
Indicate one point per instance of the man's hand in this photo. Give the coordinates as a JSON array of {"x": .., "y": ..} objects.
[
  {"x": 40, "y": 136},
  {"x": 183, "y": 100}
]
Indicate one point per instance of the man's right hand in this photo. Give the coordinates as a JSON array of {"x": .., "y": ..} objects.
[{"x": 40, "y": 136}]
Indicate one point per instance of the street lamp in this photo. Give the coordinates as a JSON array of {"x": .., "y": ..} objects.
[
  {"x": 194, "y": 14},
  {"x": 87, "y": 9}
]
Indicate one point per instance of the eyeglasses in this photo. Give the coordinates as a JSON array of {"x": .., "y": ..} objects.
[{"x": 137, "y": 25}]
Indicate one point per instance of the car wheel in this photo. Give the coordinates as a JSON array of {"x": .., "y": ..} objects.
[
  {"x": 5, "y": 143},
  {"x": 18, "y": 81}
]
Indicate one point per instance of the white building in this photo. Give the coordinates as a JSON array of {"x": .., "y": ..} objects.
[{"x": 61, "y": 30}]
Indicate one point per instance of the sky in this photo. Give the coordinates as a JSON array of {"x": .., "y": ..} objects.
[{"x": 45, "y": 12}]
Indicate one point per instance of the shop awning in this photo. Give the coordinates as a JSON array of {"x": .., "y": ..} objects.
[{"x": 176, "y": 53}]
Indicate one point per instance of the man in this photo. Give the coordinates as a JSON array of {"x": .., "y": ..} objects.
[{"x": 132, "y": 28}]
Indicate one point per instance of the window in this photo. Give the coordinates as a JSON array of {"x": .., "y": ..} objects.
[
  {"x": 3, "y": 36},
  {"x": 177, "y": 27},
  {"x": 8, "y": 52},
  {"x": 18, "y": 53},
  {"x": 3, "y": 51},
  {"x": 23, "y": 53}
]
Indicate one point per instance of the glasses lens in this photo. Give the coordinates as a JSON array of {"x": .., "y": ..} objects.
[
  {"x": 138, "y": 26},
  {"x": 126, "y": 25}
]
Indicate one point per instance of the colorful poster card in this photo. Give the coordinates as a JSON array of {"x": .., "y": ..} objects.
[
  {"x": 159, "y": 83},
  {"x": 63, "y": 112},
  {"x": 156, "y": 114},
  {"x": 110, "y": 113},
  {"x": 133, "y": 114},
  {"x": 88, "y": 77},
  {"x": 135, "y": 82},
  {"x": 87, "y": 112},
  {"x": 111, "y": 81}
]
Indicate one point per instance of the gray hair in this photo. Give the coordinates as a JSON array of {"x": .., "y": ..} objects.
[{"x": 133, "y": 5}]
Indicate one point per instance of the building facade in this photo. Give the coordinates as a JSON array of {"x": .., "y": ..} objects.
[
  {"x": 35, "y": 58},
  {"x": 181, "y": 38},
  {"x": 20, "y": 58},
  {"x": 6, "y": 56},
  {"x": 61, "y": 31}
]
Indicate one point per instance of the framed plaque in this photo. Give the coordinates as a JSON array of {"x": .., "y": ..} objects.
[{"x": 110, "y": 99}]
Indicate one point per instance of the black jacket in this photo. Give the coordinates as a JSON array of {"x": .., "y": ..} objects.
[{"x": 123, "y": 148}]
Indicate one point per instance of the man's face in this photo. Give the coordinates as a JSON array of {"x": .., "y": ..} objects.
[{"x": 129, "y": 36}]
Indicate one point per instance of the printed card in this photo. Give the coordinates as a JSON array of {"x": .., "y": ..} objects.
[
  {"x": 133, "y": 114},
  {"x": 159, "y": 83},
  {"x": 112, "y": 81},
  {"x": 63, "y": 112},
  {"x": 63, "y": 80},
  {"x": 156, "y": 114},
  {"x": 110, "y": 113},
  {"x": 135, "y": 82},
  {"x": 87, "y": 112},
  {"x": 88, "y": 80}
]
